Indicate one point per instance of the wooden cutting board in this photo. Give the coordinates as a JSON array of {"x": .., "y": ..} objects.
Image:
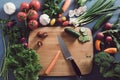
[{"x": 81, "y": 52}]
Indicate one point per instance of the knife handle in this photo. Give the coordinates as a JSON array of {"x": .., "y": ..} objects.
[{"x": 75, "y": 67}]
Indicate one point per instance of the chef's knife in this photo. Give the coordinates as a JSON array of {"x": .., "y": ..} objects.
[{"x": 68, "y": 56}]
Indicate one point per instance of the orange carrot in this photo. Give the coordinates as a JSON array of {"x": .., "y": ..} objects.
[
  {"x": 97, "y": 45},
  {"x": 51, "y": 65},
  {"x": 111, "y": 50},
  {"x": 66, "y": 5}
]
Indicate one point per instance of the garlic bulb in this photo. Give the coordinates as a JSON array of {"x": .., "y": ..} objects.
[
  {"x": 9, "y": 8},
  {"x": 44, "y": 19}
]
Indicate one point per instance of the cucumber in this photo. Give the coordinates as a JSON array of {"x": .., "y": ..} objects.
[
  {"x": 84, "y": 39},
  {"x": 101, "y": 21},
  {"x": 72, "y": 32},
  {"x": 82, "y": 29}
]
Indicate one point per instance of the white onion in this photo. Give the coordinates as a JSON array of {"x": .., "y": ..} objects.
[{"x": 9, "y": 8}]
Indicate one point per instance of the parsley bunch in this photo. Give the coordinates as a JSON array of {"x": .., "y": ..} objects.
[{"x": 23, "y": 61}]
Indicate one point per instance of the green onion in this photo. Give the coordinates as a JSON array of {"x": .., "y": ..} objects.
[{"x": 99, "y": 8}]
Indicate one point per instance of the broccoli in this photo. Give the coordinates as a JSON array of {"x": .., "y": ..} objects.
[
  {"x": 117, "y": 69},
  {"x": 113, "y": 71},
  {"x": 104, "y": 61},
  {"x": 106, "y": 65}
]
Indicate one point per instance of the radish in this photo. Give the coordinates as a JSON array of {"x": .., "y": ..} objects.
[
  {"x": 108, "y": 25},
  {"x": 108, "y": 39},
  {"x": 100, "y": 35},
  {"x": 22, "y": 39},
  {"x": 25, "y": 45}
]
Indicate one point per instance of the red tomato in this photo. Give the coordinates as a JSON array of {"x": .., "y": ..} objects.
[
  {"x": 35, "y": 4},
  {"x": 32, "y": 14},
  {"x": 21, "y": 16},
  {"x": 33, "y": 24},
  {"x": 24, "y": 6}
]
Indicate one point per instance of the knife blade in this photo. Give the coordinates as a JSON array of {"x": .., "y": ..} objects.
[{"x": 67, "y": 55}]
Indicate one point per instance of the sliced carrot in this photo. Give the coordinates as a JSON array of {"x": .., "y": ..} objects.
[
  {"x": 51, "y": 65},
  {"x": 111, "y": 50},
  {"x": 66, "y": 5},
  {"x": 97, "y": 45}
]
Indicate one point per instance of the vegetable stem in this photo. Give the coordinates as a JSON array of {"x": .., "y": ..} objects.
[{"x": 5, "y": 53}]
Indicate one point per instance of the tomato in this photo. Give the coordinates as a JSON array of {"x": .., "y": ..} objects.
[
  {"x": 24, "y": 6},
  {"x": 35, "y": 4},
  {"x": 21, "y": 16},
  {"x": 32, "y": 14},
  {"x": 32, "y": 24}
]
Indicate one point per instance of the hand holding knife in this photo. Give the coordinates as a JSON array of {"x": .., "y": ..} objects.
[{"x": 68, "y": 56}]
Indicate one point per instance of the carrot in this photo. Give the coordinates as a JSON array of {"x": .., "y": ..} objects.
[
  {"x": 97, "y": 45},
  {"x": 51, "y": 65},
  {"x": 111, "y": 50},
  {"x": 66, "y": 5}
]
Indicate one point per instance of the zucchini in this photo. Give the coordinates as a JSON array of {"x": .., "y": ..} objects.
[
  {"x": 101, "y": 21},
  {"x": 72, "y": 32}
]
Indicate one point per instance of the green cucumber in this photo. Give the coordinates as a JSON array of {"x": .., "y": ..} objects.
[
  {"x": 82, "y": 29},
  {"x": 84, "y": 39},
  {"x": 81, "y": 39},
  {"x": 72, "y": 32},
  {"x": 101, "y": 21}
]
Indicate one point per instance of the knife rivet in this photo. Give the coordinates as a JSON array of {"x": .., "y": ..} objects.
[{"x": 88, "y": 56}]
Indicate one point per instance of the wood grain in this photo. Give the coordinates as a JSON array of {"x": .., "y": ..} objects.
[{"x": 81, "y": 52}]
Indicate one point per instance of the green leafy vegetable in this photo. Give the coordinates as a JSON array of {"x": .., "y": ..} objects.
[
  {"x": 81, "y": 2},
  {"x": 106, "y": 65},
  {"x": 23, "y": 61},
  {"x": 117, "y": 23},
  {"x": 51, "y": 7}
]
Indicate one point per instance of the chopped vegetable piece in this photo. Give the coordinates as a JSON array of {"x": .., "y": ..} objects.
[
  {"x": 82, "y": 29},
  {"x": 84, "y": 38},
  {"x": 85, "y": 33},
  {"x": 81, "y": 39}
]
